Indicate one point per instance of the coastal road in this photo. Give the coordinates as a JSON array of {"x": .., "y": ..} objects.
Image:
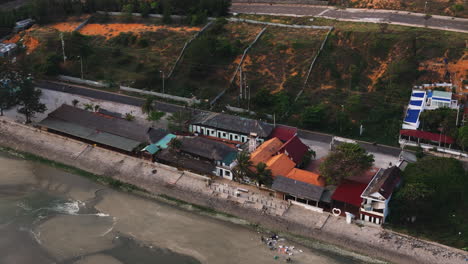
[
  {"x": 356, "y": 15},
  {"x": 319, "y": 142}
]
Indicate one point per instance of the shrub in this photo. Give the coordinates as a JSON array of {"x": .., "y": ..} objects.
[
  {"x": 129, "y": 117},
  {"x": 155, "y": 115}
]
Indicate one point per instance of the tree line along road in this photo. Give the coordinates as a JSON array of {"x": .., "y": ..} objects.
[
  {"x": 172, "y": 108},
  {"x": 356, "y": 15}
]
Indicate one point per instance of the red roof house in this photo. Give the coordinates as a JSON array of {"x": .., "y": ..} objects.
[
  {"x": 349, "y": 192},
  {"x": 284, "y": 133},
  {"x": 295, "y": 149}
]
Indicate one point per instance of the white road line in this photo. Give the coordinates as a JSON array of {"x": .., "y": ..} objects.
[{"x": 323, "y": 12}]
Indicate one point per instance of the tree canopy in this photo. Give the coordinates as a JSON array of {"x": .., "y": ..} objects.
[
  {"x": 29, "y": 100},
  {"x": 433, "y": 200},
  {"x": 346, "y": 160}
]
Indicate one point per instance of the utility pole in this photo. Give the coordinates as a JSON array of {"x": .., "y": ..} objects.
[
  {"x": 245, "y": 86},
  {"x": 163, "y": 80},
  {"x": 458, "y": 112},
  {"x": 240, "y": 82},
  {"x": 81, "y": 62},
  {"x": 248, "y": 103},
  {"x": 63, "y": 47}
]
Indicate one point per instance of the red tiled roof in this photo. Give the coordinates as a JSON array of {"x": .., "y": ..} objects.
[
  {"x": 349, "y": 192},
  {"x": 265, "y": 151},
  {"x": 427, "y": 135},
  {"x": 284, "y": 133},
  {"x": 280, "y": 165},
  {"x": 295, "y": 149},
  {"x": 306, "y": 176}
]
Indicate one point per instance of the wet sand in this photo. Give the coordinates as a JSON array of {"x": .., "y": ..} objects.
[{"x": 87, "y": 234}]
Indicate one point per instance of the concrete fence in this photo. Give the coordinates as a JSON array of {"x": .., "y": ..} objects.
[
  {"x": 242, "y": 110},
  {"x": 80, "y": 26},
  {"x": 189, "y": 101},
  {"x": 299, "y": 2},
  {"x": 182, "y": 52},
  {"x": 312, "y": 64},
  {"x": 308, "y": 207},
  {"x": 82, "y": 81},
  {"x": 238, "y": 66},
  {"x": 277, "y": 24},
  {"x": 138, "y": 14}
]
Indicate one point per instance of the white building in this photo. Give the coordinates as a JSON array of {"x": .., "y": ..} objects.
[
  {"x": 228, "y": 127},
  {"x": 7, "y": 50},
  {"x": 438, "y": 99},
  {"x": 414, "y": 110},
  {"x": 426, "y": 100},
  {"x": 376, "y": 196}
]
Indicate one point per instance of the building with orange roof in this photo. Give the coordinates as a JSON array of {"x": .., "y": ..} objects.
[
  {"x": 280, "y": 165},
  {"x": 306, "y": 176},
  {"x": 265, "y": 151}
]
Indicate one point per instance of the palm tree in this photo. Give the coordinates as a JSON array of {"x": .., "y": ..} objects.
[
  {"x": 147, "y": 107},
  {"x": 263, "y": 175},
  {"x": 242, "y": 169}
]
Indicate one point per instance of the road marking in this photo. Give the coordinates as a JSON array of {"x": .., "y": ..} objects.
[{"x": 323, "y": 12}]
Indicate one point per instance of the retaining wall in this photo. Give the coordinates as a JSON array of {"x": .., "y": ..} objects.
[
  {"x": 157, "y": 179},
  {"x": 300, "y": 2},
  {"x": 189, "y": 101},
  {"x": 82, "y": 81}
]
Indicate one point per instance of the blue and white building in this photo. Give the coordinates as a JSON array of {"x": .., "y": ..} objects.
[
  {"x": 415, "y": 108},
  {"x": 426, "y": 100},
  {"x": 437, "y": 99}
]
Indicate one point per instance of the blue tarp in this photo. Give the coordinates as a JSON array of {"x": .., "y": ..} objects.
[
  {"x": 164, "y": 142},
  {"x": 412, "y": 115},
  {"x": 429, "y": 94},
  {"x": 416, "y": 103},
  {"x": 440, "y": 99},
  {"x": 419, "y": 94}
]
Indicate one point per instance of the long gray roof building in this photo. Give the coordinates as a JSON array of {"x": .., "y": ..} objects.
[
  {"x": 232, "y": 123},
  {"x": 297, "y": 188},
  {"x": 96, "y": 127}
]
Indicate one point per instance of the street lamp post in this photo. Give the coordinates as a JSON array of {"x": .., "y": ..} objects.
[
  {"x": 81, "y": 62},
  {"x": 163, "y": 80}
]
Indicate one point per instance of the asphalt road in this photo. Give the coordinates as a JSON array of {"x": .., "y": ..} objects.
[
  {"x": 358, "y": 15},
  {"x": 308, "y": 136}
]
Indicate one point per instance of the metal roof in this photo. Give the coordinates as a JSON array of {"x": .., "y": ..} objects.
[
  {"x": 206, "y": 148},
  {"x": 297, "y": 188},
  {"x": 233, "y": 123},
  {"x": 90, "y": 134},
  {"x": 383, "y": 183},
  {"x": 100, "y": 122}
]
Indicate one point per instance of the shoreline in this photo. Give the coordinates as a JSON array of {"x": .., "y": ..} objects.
[
  {"x": 107, "y": 164},
  {"x": 311, "y": 243}
]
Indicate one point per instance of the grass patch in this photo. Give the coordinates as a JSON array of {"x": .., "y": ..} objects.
[{"x": 73, "y": 170}]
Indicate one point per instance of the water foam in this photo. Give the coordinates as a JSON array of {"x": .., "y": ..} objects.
[{"x": 71, "y": 208}]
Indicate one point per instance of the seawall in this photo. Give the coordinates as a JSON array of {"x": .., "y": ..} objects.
[{"x": 162, "y": 179}]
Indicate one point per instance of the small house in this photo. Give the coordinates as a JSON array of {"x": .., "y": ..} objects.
[
  {"x": 8, "y": 49},
  {"x": 229, "y": 127},
  {"x": 222, "y": 156},
  {"x": 376, "y": 196}
]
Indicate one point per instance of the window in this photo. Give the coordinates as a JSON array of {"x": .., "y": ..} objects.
[
  {"x": 224, "y": 134},
  {"x": 227, "y": 173}
]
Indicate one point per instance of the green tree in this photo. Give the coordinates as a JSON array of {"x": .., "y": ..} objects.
[
  {"x": 9, "y": 85},
  {"x": 441, "y": 120},
  {"x": 346, "y": 160},
  {"x": 242, "y": 168},
  {"x": 263, "y": 175},
  {"x": 148, "y": 105},
  {"x": 433, "y": 199},
  {"x": 29, "y": 100},
  {"x": 313, "y": 116},
  {"x": 462, "y": 138},
  {"x": 178, "y": 121},
  {"x": 167, "y": 12}
]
